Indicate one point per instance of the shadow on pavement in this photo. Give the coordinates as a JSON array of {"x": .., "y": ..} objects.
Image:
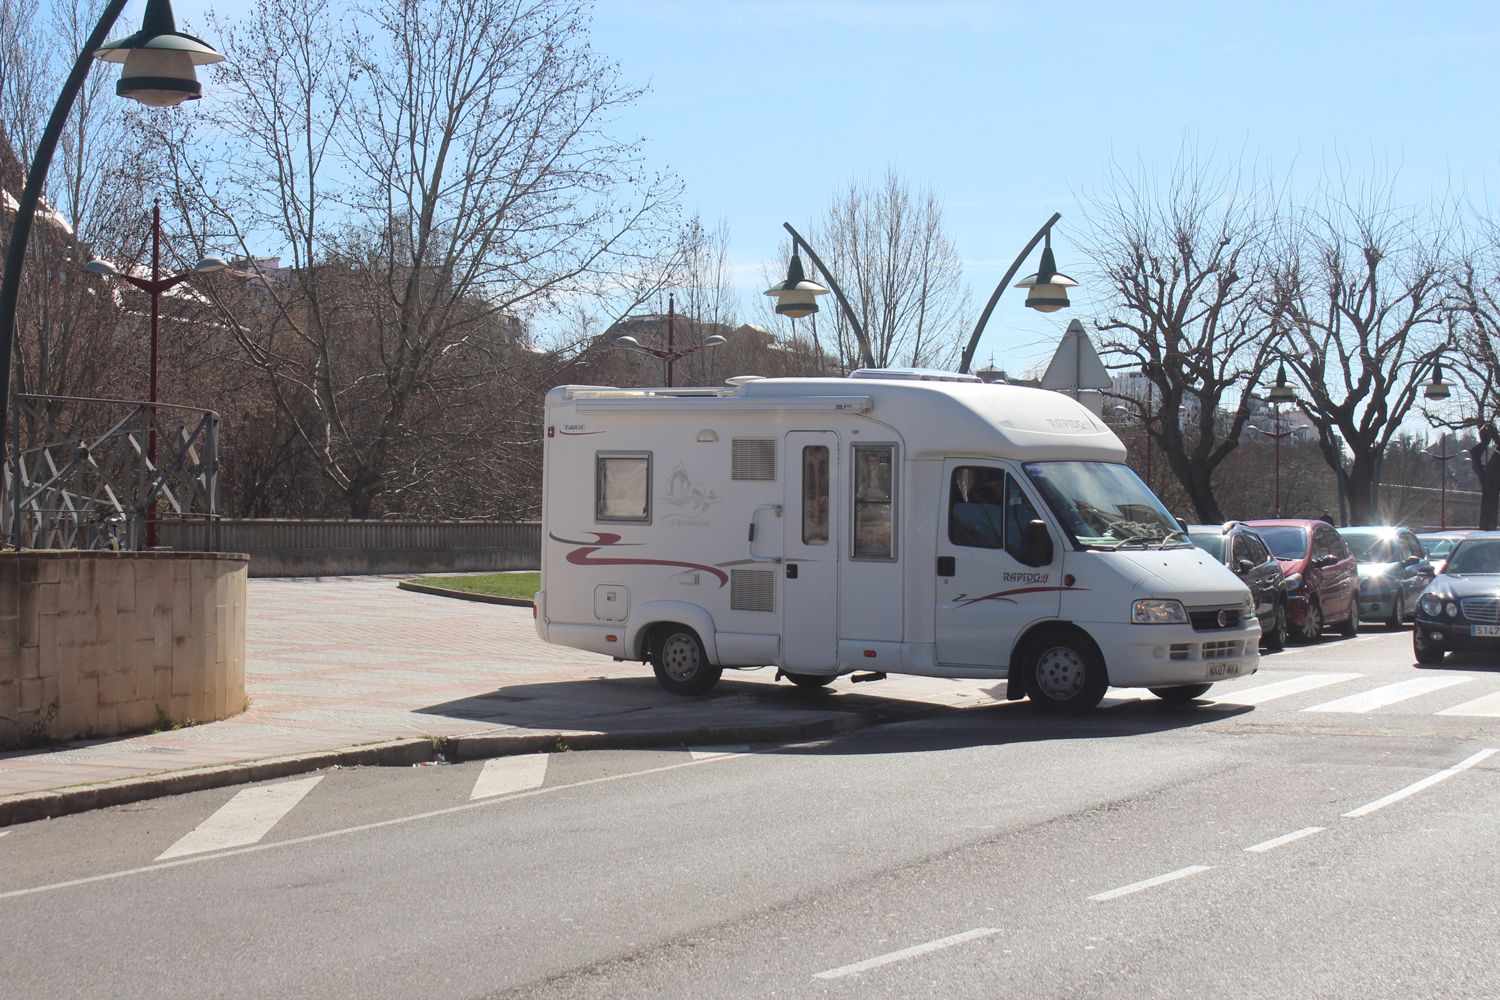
[{"x": 627, "y": 705}]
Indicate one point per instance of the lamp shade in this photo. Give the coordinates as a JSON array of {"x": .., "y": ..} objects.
[
  {"x": 1281, "y": 390},
  {"x": 1048, "y": 288},
  {"x": 158, "y": 60},
  {"x": 1437, "y": 388},
  {"x": 796, "y": 296}
]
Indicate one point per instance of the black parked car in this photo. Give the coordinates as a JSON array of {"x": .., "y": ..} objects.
[
  {"x": 1461, "y": 608},
  {"x": 1237, "y": 546}
]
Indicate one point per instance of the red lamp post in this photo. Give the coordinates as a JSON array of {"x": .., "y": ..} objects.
[
  {"x": 671, "y": 355},
  {"x": 154, "y": 286}
]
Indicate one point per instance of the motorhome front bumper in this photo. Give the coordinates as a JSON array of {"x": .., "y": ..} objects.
[{"x": 1153, "y": 655}]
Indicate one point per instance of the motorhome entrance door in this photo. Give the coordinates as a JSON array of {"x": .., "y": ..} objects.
[{"x": 810, "y": 565}]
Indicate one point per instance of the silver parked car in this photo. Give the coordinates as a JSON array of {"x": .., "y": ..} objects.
[{"x": 1393, "y": 572}]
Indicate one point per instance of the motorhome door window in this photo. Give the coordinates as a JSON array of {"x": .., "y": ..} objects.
[
  {"x": 622, "y": 487},
  {"x": 815, "y": 495},
  {"x": 874, "y": 520}
]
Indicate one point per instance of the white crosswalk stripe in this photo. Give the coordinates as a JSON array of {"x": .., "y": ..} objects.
[
  {"x": 1489, "y": 705},
  {"x": 504, "y": 775},
  {"x": 707, "y": 753},
  {"x": 1388, "y": 694},
  {"x": 244, "y": 819},
  {"x": 1124, "y": 696},
  {"x": 1262, "y": 693}
]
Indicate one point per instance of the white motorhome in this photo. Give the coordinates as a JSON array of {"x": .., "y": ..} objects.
[{"x": 890, "y": 522}]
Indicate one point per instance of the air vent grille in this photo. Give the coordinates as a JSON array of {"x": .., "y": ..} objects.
[
  {"x": 754, "y": 458},
  {"x": 752, "y": 589}
]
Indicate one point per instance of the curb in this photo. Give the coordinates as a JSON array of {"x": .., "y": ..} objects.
[
  {"x": 52, "y": 804},
  {"x": 462, "y": 595}
]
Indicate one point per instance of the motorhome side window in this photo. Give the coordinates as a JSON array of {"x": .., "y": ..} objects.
[
  {"x": 874, "y": 506},
  {"x": 622, "y": 487},
  {"x": 987, "y": 509},
  {"x": 815, "y": 495}
]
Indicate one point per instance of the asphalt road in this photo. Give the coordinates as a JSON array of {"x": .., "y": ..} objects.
[{"x": 1326, "y": 828}]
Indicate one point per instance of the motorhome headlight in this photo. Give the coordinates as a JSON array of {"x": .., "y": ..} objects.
[
  {"x": 1431, "y": 605},
  {"x": 1247, "y": 604},
  {"x": 1158, "y": 611}
]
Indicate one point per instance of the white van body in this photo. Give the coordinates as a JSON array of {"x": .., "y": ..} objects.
[{"x": 813, "y": 524}]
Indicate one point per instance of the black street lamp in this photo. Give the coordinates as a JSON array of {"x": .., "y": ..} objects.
[
  {"x": 671, "y": 355},
  {"x": 1047, "y": 288},
  {"x": 1281, "y": 391},
  {"x": 158, "y": 71},
  {"x": 154, "y": 286},
  {"x": 795, "y": 297}
]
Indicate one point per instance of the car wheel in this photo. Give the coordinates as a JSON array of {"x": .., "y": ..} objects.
[
  {"x": 1350, "y": 626},
  {"x": 1064, "y": 673},
  {"x": 1312, "y": 624},
  {"x": 1275, "y": 640},
  {"x": 680, "y": 664},
  {"x": 808, "y": 680},
  {"x": 1181, "y": 694},
  {"x": 1425, "y": 654},
  {"x": 1398, "y": 613}
]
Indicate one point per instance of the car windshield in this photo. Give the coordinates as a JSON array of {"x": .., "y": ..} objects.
[
  {"x": 1212, "y": 544},
  {"x": 1438, "y": 548},
  {"x": 1372, "y": 548},
  {"x": 1475, "y": 557},
  {"x": 1104, "y": 506},
  {"x": 1285, "y": 542}
]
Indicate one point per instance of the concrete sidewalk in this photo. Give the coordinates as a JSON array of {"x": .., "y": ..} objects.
[{"x": 354, "y": 671}]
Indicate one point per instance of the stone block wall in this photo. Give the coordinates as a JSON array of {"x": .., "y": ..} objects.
[{"x": 100, "y": 643}]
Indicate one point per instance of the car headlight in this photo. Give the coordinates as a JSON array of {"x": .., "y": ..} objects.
[
  {"x": 1158, "y": 611},
  {"x": 1431, "y": 604},
  {"x": 1293, "y": 581},
  {"x": 1451, "y": 609}
]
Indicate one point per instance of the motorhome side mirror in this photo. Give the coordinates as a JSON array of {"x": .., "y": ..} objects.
[
  {"x": 1245, "y": 566},
  {"x": 1036, "y": 544}
]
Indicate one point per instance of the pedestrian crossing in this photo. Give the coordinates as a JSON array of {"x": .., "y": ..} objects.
[
  {"x": 1396, "y": 697},
  {"x": 244, "y": 819}
]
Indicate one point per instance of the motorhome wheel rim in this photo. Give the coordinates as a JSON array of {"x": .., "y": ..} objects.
[
  {"x": 679, "y": 656},
  {"x": 1060, "y": 673}
]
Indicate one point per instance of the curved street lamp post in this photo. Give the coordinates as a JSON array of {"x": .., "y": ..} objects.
[
  {"x": 1047, "y": 289},
  {"x": 158, "y": 71}
]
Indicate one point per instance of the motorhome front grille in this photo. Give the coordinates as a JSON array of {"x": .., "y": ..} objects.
[
  {"x": 1222, "y": 649},
  {"x": 754, "y": 458},
  {"x": 752, "y": 589},
  {"x": 1482, "y": 609},
  {"x": 1214, "y": 619}
]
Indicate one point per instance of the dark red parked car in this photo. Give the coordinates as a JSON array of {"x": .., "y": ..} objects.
[{"x": 1322, "y": 575}]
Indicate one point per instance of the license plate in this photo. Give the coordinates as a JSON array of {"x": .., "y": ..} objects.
[
  {"x": 1485, "y": 631},
  {"x": 1228, "y": 668}
]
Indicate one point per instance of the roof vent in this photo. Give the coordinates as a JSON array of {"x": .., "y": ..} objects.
[{"x": 914, "y": 375}]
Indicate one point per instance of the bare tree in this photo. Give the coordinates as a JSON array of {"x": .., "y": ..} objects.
[
  {"x": 433, "y": 184},
  {"x": 888, "y": 250},
  {"x": 1474, "y": 318},
  {"x": 1186, "y": 263},
  {"x": 1360, "y": 290}
]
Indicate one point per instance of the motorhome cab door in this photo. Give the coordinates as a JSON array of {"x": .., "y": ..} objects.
[
  {"x": 985, "y": 595},
  {"x": 811, "y": 537}
]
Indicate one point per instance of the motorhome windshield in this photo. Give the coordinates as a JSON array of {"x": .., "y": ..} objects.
[{"x": 1104, "y": 506}]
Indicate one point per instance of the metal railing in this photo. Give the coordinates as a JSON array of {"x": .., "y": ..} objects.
[{"x": 78, "y": 476}]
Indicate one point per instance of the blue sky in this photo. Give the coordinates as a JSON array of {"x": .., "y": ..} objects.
[{"x": 1010, "y": 111}]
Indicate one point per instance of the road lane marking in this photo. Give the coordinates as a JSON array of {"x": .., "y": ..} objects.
[
  {"x": 1489, "y": 705},
  {"x": 1262, "y": 693},
  {"x": 1124, "y": 696},
  {"x": 1150, "y": 883},
  {"x": 905, "y": 953},
  {"x": 4, "y": 832},
  {"x": 1275, "y": 842},
  {"x": 708, "y": 753},
  {"x": 347, "y": 831},
  {"x": 1416, "y": 787},
  {"x": 503, "y": 775},
  {"x": 1388, "y": 694},
  {"x": 244, "y": 819}
]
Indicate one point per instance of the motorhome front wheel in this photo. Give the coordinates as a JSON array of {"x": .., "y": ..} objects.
[
  {"x": 1064, "y": 673},
  {"x": 680, "y": 664}
]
